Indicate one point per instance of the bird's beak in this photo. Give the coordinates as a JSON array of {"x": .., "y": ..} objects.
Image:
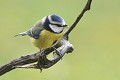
[{"x": 65, "y": 25}]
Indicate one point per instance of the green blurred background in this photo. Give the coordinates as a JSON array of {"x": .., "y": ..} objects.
[{"x": 96, "y": 39}]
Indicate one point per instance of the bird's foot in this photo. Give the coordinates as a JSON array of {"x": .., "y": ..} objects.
[
  {"x": 58, "y": 52},
  {"x": 42, "y": 62}
]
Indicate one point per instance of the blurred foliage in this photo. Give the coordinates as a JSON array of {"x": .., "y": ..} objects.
[{"x": 96, "y": 39}]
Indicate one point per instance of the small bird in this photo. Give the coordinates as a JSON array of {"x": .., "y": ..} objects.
[{"x": 46, "y": 32}]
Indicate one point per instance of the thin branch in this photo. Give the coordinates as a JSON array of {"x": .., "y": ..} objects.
[
  {"x": 87, "y": 7},
  {"x": 64, "y": 47}
]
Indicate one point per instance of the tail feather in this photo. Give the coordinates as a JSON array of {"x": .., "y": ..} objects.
[{"x": 21, "y": 34}]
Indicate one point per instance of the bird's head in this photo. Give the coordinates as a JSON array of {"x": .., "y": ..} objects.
[{"x": 54, "y": 23}]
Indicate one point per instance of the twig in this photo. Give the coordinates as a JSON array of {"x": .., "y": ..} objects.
[{"x": 87, "y": 7}]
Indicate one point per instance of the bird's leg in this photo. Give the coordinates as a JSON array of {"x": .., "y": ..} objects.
[
  {"x": 42, "y": 60},
  {"x": 39, "y": 63},
  {"x": 57, "y": 52}
]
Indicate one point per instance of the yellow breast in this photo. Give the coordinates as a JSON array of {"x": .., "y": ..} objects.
[{"x": 46, "y": 39}]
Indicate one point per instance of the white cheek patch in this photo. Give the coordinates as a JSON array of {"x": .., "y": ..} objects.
[{"x": 55, "y": 28}]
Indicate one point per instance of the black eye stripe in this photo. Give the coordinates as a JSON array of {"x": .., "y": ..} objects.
[{"x": 57, "y": 25}]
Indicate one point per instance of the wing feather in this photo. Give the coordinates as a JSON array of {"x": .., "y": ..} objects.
[{"x": 34, "y": 32}]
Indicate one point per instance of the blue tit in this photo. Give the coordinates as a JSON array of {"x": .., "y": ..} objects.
[{"x": 47, "y": 32}]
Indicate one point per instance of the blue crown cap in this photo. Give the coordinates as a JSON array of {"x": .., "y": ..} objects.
[{"x": 56, "y": 18}]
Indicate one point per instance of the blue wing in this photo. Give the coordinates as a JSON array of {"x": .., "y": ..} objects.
[{"x": 34, "y": 32}]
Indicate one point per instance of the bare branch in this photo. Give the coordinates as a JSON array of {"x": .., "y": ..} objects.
[
  {"x": 28, "y": 59},
  {"x": 87, "y": 7},
  {"x": 64, "y": 47}
]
